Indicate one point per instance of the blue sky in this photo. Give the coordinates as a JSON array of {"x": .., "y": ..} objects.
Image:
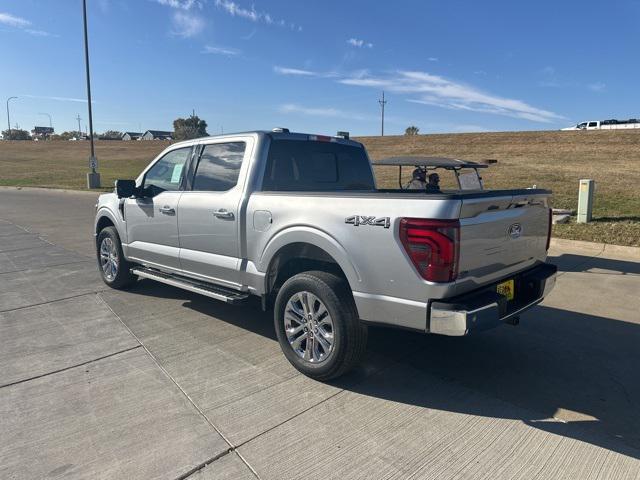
[{"x": 321, "y": 66}]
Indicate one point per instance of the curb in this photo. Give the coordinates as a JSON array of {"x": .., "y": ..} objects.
[
  {"x": 56, "y": 190},
  {"x": 597, "y": 248}
]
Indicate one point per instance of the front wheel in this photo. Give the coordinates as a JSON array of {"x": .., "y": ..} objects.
[
  {"x": 317, "y": 325},
  {"x": 114, "y": 268}
]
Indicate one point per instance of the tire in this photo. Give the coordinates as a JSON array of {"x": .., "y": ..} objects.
[
  {"x": 109, "y": 253},
  {"x": 307, "y": 349}
]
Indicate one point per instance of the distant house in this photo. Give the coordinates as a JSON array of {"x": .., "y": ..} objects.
[
  {"x": 41, "y": 133},
  {"x": 131, "y": 136},
  {"x": 157, "y": 135}
]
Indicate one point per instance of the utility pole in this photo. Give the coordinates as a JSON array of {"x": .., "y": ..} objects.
[
  {"x": 93, "y": 177},
  {"x": 382, "y": 103},
  {"x": 79, "y": 128},
  {"x": 8, "y": 119}
]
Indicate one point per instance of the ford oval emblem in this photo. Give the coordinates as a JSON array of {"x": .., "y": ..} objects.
[{"x": 515, "y": 230}]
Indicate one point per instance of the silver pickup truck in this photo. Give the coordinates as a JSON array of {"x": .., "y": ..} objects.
[{"x": 298, "y": 220}]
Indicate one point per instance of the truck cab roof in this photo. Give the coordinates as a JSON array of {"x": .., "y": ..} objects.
[{"x": 277, "y": 134}]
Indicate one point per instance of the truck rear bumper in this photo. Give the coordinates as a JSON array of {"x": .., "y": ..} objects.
[{"x": 485, "y": 308}]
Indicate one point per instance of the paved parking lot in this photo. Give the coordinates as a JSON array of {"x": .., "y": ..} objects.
[{"x": 161, "y": 383}]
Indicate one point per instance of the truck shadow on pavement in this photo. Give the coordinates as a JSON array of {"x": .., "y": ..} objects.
[
  {"x": 568, "y": 262},
  {"x": 581, "y": 369}
]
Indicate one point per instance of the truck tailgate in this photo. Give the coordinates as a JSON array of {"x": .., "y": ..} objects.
[{"x": 501, "y": 235}]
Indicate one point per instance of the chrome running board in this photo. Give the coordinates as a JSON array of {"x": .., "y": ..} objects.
[{"x": 206, "y": 289}]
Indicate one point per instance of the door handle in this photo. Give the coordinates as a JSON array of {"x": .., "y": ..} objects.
[
  {"x": 224, "y": 214},
  {"x": 167, "y": 210}
]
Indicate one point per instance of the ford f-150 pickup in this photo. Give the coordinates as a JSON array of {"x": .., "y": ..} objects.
[{"x": 299, "y": 221}]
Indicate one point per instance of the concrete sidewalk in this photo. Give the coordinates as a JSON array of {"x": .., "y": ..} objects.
[{"x": 160, "y": 383}]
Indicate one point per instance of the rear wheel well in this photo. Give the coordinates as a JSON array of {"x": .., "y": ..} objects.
[{"x": 297, "y": 258}]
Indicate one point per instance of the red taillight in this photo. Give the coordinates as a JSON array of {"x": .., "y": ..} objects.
[
  {"x": 320, "y": 138},
  {"x": 549, "y": 229},
  {"x": 432, "y": 246}
]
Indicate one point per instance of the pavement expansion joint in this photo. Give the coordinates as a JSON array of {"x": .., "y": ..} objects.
[
  {"x": 177, "y": 385},
  {"x": 70, "y": 367},
  {"x": 75, "y": 262},
  {"x": 22, "y": 249},
  {"x": 342, "y": 390},
  {"x": 44, "y": 239},
  {"x": 95, "y": 292}
]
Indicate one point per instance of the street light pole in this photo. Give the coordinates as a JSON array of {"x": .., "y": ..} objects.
[
  {"x": 8, "y": 118},
  {"x": 93, "y": 177},
  {"x": 50, "y": 122}
]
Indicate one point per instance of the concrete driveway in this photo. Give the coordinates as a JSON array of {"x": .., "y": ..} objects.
[{"x": 160, "y": 383}]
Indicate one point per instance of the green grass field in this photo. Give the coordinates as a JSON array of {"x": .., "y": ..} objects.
[{"x": 549, "y": 159}]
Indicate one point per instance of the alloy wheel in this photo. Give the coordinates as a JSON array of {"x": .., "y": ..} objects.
[
  {"x": 109, "y": 258},
  {"x": 309, "y": 327}
]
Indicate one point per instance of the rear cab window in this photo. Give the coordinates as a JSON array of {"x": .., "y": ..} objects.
[
  {"x": 219, "y": 167},
  {"x": 316, "y": 166}
]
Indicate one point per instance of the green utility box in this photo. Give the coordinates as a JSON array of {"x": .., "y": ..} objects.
[{"x": 585, "y": 200}]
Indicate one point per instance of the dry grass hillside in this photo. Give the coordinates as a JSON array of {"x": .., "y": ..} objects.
[
  {"x": 62, "y": 164},
  {"x": 550, "y": 159}
]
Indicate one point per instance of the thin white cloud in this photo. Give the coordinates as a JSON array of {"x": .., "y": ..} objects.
[
  {"x": 22, "y": 24},
  {"x": 549, "y": 71},
  {"x": 59, "y": 99},
  {"x": 236, "y": 10},
  {"x": 322, "y": 112},
  {"x": 216, "y": 50},
  {"x": 300, "y": 72},
  {"x": 187, "y": 25},
  {"x": 250, "y": 35},
  {"x": 359, "y": 43},
  {"x": 428, "y": 89},
  {"x": 180, "y": 4},
  {"x": 40, "y": 33},
  {"x": 294, "y": 71},
  {"x": 13, "y": 21},
  {"x": 433, "y": 59},
  {"x": 597, "y": 86}
]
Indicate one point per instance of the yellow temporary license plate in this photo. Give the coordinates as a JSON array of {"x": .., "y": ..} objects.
[{"x": 507, "y": 288}]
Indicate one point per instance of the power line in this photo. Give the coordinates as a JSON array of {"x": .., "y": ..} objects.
[{"x": 382, "y": 103}]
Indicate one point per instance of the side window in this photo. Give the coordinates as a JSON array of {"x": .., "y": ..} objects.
[
  {"x": 219, "y": 167},
  {"x": 166, "y": 174},
  {"x": 593, "y": 124}
]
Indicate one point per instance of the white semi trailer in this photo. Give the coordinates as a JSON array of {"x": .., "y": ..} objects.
[{"x": 606, "y": 125}]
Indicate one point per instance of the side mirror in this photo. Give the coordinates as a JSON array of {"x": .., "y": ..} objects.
[{"x": 125, "y": 188}]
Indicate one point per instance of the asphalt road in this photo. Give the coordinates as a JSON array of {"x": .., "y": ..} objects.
[{"x": 160, "y": 383}]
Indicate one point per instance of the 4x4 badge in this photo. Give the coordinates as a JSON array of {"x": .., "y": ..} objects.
[{"x": 357, "y": 220}]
